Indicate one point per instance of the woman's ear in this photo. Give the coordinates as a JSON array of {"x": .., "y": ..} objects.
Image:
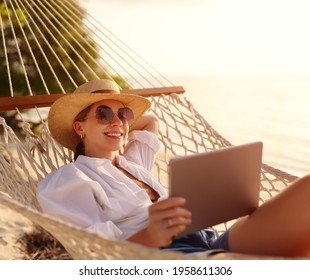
[{"x": 78, "y": 127}]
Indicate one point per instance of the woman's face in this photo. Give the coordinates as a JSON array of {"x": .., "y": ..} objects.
[{"x": 102, "y": 140}]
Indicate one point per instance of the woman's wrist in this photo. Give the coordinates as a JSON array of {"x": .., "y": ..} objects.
[
  {"x": 142, "y": 237},
  {"x": 147, "y": 122}
]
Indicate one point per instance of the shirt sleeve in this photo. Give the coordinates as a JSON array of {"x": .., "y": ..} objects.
[
  {"x": 81, "y": 209},
  {"x": 142, "y": 147}
]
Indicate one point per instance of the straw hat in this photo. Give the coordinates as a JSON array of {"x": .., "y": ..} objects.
[{"x": 65, "y": 109}]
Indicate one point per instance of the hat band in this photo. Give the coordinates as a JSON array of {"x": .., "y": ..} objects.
[{"x": 104, "y": 91}]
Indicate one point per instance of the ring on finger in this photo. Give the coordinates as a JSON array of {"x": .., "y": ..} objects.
[{"x": 170, "y": 222}]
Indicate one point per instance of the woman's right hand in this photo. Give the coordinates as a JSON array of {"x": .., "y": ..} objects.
[{"x": 167, "y": 218}]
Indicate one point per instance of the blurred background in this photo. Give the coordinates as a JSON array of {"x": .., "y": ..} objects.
[{"x": 245, "y": 64}]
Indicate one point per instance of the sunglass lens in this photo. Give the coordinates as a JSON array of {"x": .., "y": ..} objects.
[
  {"x": 126, "y": 115},
  {"x": 104, "y": 114}
]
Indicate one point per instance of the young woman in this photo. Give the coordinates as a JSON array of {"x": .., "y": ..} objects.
[{"x": 114, "y": 194}]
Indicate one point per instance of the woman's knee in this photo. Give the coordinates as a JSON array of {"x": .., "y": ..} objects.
[
  {"x": 296, "y": 198},
  {"x": 302, "y": 183}
]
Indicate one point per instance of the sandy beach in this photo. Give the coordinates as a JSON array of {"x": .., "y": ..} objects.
[{"x": 12, "y": 227}]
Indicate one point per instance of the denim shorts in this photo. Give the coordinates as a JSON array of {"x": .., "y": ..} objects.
[{"x": 200, "y": 241}]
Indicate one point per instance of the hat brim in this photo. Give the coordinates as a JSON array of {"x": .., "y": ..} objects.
[{"x": 65, "y": 109}]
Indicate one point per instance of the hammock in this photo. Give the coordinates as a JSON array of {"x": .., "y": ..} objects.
[{"x": 50, "y": 49}]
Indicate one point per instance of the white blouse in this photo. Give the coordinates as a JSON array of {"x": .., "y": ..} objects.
[{"x": 93, "y": 194}]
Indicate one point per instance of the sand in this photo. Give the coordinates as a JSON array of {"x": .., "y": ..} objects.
[{"x": 12, "y": 226}]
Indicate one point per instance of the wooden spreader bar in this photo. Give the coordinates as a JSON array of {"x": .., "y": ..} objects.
[{"x": 27, "y": 102}]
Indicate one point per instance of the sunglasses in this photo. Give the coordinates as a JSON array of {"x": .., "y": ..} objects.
[{"x": 105, "y": 115}]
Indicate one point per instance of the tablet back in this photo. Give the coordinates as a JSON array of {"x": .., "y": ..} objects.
[{"x": 219, "y": 185}]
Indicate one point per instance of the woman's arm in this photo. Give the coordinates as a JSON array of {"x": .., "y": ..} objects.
[
  {"x": 143, "y": 142},
  {"x": 68, "y": 195},
  {"x": 147, "y": 122}
]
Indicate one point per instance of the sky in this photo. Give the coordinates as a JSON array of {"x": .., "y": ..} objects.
[{"x": 221, "y": 37}]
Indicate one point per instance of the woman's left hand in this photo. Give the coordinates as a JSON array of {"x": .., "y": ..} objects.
[{"x": 167, "y": 218}]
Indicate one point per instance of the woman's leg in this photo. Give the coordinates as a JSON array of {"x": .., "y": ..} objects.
[{"x": 279, "y": 227}]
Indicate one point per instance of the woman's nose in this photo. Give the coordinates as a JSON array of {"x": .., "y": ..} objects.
[{"x": 116, "y": 120}]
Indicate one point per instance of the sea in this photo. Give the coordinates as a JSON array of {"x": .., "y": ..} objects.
[{"x": 271, "y": 109}]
